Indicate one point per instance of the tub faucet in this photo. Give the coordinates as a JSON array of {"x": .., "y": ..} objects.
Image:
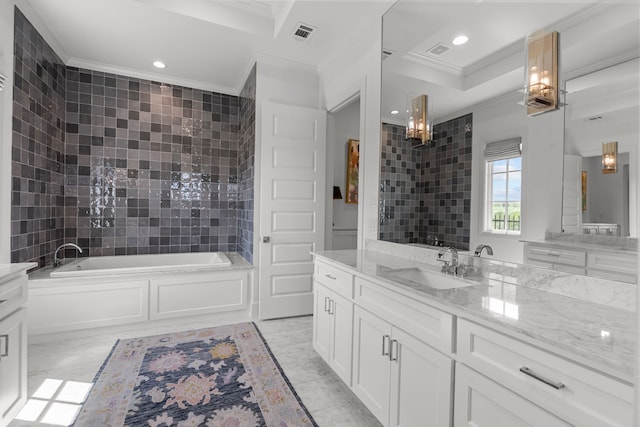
[
  {"x": 446, "y": 267},
  {"x": 479, "y": 249},
  {"x": 56, "y": 261}
]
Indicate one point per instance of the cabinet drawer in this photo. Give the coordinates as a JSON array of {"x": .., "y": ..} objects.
[
  {"x": 554, "y": 255},
  {"x": 625, "y": 264},
  {"x": 428, "y": 324},
  {"x": 574, "y": 393},
  {"x": 557, "y": 267},
  {"x": 13, "y": 295},
  {"x": 335, "y": 279}
]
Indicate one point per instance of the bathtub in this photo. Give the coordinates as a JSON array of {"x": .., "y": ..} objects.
[
  {"x": 102, "y": 292},
  {"x": 130, "y": 264}
]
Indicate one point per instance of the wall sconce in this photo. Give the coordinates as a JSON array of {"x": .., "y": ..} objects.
[
  {"x": 419, "y": 121},
  {"x": 610, "y": 157},
  {"x": 541, "y": 75},
  {"x": 337, "y": 193}
]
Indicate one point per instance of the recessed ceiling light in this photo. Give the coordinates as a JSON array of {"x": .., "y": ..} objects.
[
  {"x": 158, "y": 64},
  {"x": 460, "y": 40},
  {"x": 394, "y": 112}
]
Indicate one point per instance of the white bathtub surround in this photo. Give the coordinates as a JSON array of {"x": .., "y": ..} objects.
[
  {"x": 149, "y": 289},
  {"x": 591, "y": 289},
  {"x": 107, "y": 265},
  {"x": 601, "y": 336}
]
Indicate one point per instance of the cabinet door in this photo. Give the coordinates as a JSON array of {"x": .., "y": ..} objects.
[
  {"x": 482, "y": 403},
  {"x": 421, "y": 383},
  {"x": 321, "y": 322},
  {"x": 341, "y": 311},
  {"x": 13, "y": 365},
  {"x": 371, "y": 371}
]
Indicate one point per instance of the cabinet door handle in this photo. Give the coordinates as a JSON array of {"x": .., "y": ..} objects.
[
  {"x": 326, "y": 304},
  {"x": 393, "y": 353},
  {"x": 554, "y": 253},
  {"x": 525, "y": 370},
  {"x": 385, "y": 345},
  {"x": 332, "y": 307},
  {"x": 5, "y": 340},
  {"x": 330, "y": 276}
]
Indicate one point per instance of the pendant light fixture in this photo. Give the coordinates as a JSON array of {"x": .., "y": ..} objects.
[
  {"x": 610, "y": 157},
  {"x": 541, "y": 73},
  {"x": 419, "y": 121}
]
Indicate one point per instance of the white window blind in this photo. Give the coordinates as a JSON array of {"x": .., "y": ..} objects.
[{"x": 505, "y": 149}]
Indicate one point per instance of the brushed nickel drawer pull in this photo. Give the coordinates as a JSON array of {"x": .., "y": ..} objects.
[
  {"x": 525, "y": 370},
  {"x": 393, "y": 355},
  {"x": 385, "y": 340},
  {"x": 5, "y": 352},
  {"x": 330, "y": 276}
]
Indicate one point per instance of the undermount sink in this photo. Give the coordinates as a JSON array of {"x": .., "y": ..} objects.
[{"x": 426, "y": 278}]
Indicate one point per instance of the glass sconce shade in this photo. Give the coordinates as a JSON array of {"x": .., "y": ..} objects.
[
  {"x": 419, "y": 121},
  {"x": 541, "y": 73},
  {"x": 610, "y": 157}
]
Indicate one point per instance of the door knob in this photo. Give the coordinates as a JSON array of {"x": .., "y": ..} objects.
[{"x": 266, "y": 239}]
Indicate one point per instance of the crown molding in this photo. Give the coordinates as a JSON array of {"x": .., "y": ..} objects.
[
  {"x": 158, "y": 77},
  {"x": 39, "y": 24}
]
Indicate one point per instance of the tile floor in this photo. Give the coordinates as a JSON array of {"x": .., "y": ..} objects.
[{"x": 329, "y": 400}]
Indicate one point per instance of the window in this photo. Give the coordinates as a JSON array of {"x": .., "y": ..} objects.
[{"x": 503, "y": 186}]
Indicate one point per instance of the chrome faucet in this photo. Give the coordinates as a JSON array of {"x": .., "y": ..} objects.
[
  {"x": 479, "y": 249},
  {"x": 446, "y": 267},
  {"x": 56, "y": 261}
]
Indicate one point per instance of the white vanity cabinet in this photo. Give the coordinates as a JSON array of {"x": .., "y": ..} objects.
[
  {"x": 13, "y": 346},
  {"x": 618, "y": 266},
  {"x": 403, "y": 380},
  {"x": 515, "y": 380},
  {"x": 333, "y": 318}
]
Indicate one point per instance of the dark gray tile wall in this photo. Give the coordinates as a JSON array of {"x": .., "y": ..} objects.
[
  {"x": 37, "y": 197},
  {"x": 426, "y": 192},
  {"x": 246, "y": 171},
  {"x": 399, "y": 187},
  {"x": 149, "y": 167},
  {"x": 445, "y": 181}
]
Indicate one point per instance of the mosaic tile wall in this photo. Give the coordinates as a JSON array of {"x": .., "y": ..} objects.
[
  {"x": 445, "y": 179},
  {"x": 426, "y": 192},
  {"x": 399, "y": 187},
  {"x": 37, "y": 147},
  {"x": 150, "y": 168},
  {"x": 246, "y": 158}
]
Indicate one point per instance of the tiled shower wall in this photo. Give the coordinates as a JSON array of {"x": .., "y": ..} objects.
[
  {"x": 37, "y": 147},
  {"x": 399, "y": 187},
  {"x": 146, "y": 167},
  {"x": 426, "y": 192},
  {"x": 150, "y": 168},
  {"x": 246, "y": 155}
]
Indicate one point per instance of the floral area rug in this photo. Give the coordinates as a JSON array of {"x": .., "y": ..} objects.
[{"x": 217, "y": 377}]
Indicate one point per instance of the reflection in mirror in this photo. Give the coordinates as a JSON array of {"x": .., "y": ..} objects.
[
  {"x": 602, "y": 107},
  {"x": 431, "y": 193}
]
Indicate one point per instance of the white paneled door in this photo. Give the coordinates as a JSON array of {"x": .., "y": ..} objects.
[{"x": 292, "y": 202}]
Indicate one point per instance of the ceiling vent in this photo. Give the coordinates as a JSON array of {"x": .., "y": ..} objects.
[
  {"x": 438, "y": 49},
  {"x": 2, "y": 80},
  {"x": 302, "y": 32}
]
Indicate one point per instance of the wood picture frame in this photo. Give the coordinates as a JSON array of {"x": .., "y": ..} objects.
[
  {"x": 353, "y": 166},
  {"x": 584, "y": 190}
]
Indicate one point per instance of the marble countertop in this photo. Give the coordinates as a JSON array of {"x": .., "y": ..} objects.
[
  {"x": 595, "y": 335},
  {"x": 9, "y": 271},
  {"x": 237, "y": 263},
  {"x": 585, "y": 246}
]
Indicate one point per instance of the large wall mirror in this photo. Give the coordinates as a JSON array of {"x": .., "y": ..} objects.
[{"x": 437, "y": 191}]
